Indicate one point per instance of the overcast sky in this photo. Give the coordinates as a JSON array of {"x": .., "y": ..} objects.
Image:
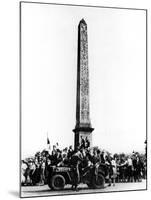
[{"x": 117, "y": 70}]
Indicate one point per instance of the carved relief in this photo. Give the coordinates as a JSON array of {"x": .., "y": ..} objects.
[
  {"x": 83, "y": 126},
  {"x": 84, "y": 75}
]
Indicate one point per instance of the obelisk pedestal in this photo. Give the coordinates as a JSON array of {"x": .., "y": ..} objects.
[{"x": 83, "y": 127}]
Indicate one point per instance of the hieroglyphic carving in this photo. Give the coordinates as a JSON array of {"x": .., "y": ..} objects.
[
  {"x": 83, "y": 125},
  {"x": 84, "y": 75}
]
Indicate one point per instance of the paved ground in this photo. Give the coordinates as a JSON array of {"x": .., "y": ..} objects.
[{"x": 45, "y": 191}]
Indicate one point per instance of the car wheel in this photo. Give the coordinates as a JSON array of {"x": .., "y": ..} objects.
[
  {"x": 99, "y": 182},
  {"x": 57, "y": 182}
]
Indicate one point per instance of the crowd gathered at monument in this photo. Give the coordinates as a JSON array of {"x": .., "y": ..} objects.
[{"x": 121, "y": 167}]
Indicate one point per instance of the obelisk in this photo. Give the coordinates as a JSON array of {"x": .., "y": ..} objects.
[{"x": 83, "y": 129}]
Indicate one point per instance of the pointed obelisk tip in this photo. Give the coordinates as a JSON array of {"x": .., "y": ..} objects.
[{"x": 82, "y": 21}]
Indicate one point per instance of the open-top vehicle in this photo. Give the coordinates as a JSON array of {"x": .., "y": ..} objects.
[{"x": 60, "y": 176}]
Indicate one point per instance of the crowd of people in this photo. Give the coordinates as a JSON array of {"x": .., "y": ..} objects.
[{"x": 122, "y": 167}]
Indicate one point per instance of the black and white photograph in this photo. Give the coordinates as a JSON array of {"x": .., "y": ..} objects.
[{"x": 83, "y": 99}]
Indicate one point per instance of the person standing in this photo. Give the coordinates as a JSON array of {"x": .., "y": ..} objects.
[
  {"x": 110, "y": 169},
  {"x": 103, "y": 157},
  {"x": 139, "y": 167},
  {"x": 87, "y": 142},
  {"x": 24, "y": 167},
  {"x": 129, "y": 169},
  {"x": 70, "y": 152},
  {"x": 82, "y": 143},
  {"x": 75, "y": 161},
  {"x": 114, "y": 169}
]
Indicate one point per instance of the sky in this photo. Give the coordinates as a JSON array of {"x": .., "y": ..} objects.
[{"x": 117, "y": 75}]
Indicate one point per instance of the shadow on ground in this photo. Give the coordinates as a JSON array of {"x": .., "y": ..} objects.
[{"x": 14, "y": 193}]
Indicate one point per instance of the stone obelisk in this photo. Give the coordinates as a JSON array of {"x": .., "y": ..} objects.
[{"x": 83, "y": 127}]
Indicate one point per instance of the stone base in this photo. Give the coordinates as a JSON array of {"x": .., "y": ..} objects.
[{"x": 84, "y": 132}]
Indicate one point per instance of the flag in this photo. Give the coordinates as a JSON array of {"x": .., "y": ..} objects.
[{"x": 48, "y": 141}]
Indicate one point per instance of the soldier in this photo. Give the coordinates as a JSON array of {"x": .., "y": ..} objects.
[{"x": 75, "y": 161}]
